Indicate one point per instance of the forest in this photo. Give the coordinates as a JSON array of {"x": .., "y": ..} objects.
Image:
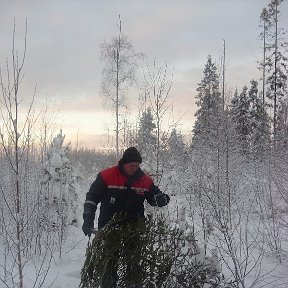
[{"x": 228, "y": 183}]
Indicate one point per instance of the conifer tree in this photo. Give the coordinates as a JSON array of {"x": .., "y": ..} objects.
[
  {"x": 206, "y": 129},
  {"x": 282, "y": 127},
  {"x": 276, "y": 61},
  {"x": 259, "y": 123},
  {"x": 146, "y": 137},
  {"x": 176, "y": 147},
  {"x": 60, "y": 182},
  {"x": 240, "y": 118},
  {"x": 264, "y": 24},
  {"x": 176, "y": 163},
  {"x": 164, "y": 256}
]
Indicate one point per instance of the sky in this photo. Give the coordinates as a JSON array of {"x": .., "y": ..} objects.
[{"x": 63, "y": 52}]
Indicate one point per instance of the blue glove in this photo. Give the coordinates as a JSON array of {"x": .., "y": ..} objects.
[{"x": 161, "y": 199}]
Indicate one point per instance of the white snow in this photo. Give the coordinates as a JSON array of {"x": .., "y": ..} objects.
[{"x": 65, "y": 272}]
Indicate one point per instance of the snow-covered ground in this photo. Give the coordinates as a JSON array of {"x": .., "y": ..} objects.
[{"x": 65, "y": 272}]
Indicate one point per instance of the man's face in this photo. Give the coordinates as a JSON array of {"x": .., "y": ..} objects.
[{"x": 131, "y": 168}]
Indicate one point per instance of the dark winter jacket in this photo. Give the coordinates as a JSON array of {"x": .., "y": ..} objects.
[{"x": 119, "y": 193}]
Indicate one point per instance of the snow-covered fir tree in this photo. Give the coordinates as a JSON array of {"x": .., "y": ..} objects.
[
  {"x": 176, "y": 145},
  {"x": 208, "y": 115},
  {"x": 62, "y": 186},
  {"x": 176, "y": 162},
  {"x": 259, "y": 123},
  {"x": 167, "y": 256},
  {"x": 146, "y": 140},
  {"x": 240, "y": 117}
]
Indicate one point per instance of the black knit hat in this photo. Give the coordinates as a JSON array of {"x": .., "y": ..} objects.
[{"x": 131, "y": 154}]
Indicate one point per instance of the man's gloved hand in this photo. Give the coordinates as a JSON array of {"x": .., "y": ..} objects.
[
  {"x": 87, "y": 227},
  {"x": 162, "y": 199},
  {"x": 88, "y": 217}
]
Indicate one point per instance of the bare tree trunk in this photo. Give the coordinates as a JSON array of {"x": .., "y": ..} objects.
[
  {"x": 275, "y": 77},
  {"x": 264, "y": 64},
  {"x": 264, "y": 19},
  {"x": 117, "y": 88}
]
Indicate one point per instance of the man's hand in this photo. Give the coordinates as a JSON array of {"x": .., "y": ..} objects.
[
  {"x": 162, "y": 199},
  {"x": 87, "y": 227},
  {"x": 88, "y": 217}
]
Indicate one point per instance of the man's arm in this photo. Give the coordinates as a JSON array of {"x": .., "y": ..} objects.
[
  {"x": 93, "y": 197},
  {"x": 96, "y": 191}
]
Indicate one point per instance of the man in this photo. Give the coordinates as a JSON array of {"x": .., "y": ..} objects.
[{"x": 121, "y": 189}]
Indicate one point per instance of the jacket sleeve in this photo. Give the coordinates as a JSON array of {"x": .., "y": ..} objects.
[{"x": 96, "y": 192}]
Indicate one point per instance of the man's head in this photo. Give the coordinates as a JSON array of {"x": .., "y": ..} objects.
[{"x": 131, "y": 160}]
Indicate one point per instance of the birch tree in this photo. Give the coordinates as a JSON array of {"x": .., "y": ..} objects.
[
  {"x": 158, "y": 83},
  {"x": 118, "y": 74},
  {"x": 20, "y": 177}
]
